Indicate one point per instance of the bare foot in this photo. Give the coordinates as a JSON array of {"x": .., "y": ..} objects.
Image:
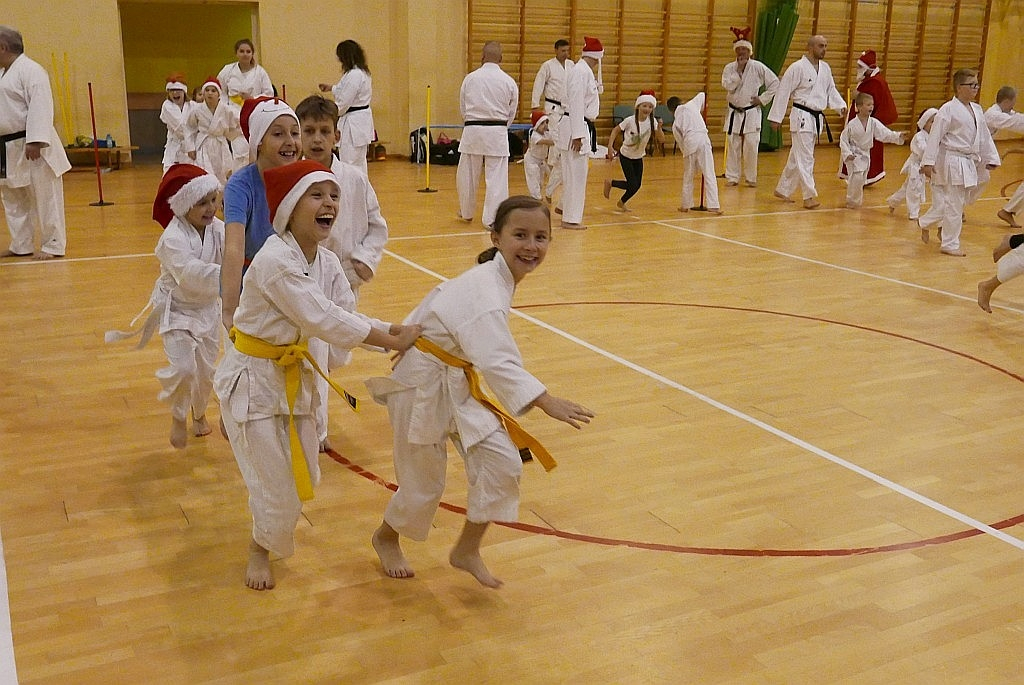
[
  {"x": 45, "y": 256},
  {"x": 389, "y": 550},
  {"x": 622, "y": 206},
  {"x": 573, "y": 227},
  {"x": 892, "y": 209},
  {"x": 8, "y": 253},
  {"x": 558, "y": 210},
  {"x": 179, "y": 433},
  {"x": 1007, "y": 217},
  {"x": 714, "y": 210},
  {"x": 684, "y": 209},
  {"x": 924, "y": 236},
  {"x": 781, "y": 196},
  {"x": 325, "y": 444},
  {"x": 1002, "y": 248},
  {"x": 474, "y": 565},
  {"x": 954, "y": 253},
  {"x": 201, "y": 427},
  {"x": 751, "y": 184},
  {"x": 463, "y": 219},
  {"x": 851, "y": 205},
  {"x": 985, "y": 290},
  {"x": 811, "y": 203},
  {"x": 258, "y": 575},
  {"x": 732, "y": 183},
  {"x": 607, "y": 188}
]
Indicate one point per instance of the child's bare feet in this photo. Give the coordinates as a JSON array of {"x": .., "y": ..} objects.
[
  {"x": 852, "y": 205},
  {"x": 179, "y": 433},
  {"x": 924, "y": 236},
  {"x": 892, "y": 209},
  {"x": 714, "y": 210},
  {"x": 985, "y": 290},
  {"x": 1007, "y": 217},
  {"x": 622, "y": 206},
  {"x": 684, "y": 209},
  {"x": 325, "y": 444},
  {"x": 258, "y": 575},
  {"x": 781, "y": 196},
  {"x": 607, "y": 188},
  {"x": 471, "y": 562},
  {"x": 389, "y": 550},
  {"x": 954, "y": 253},
  {"x": 811, "y": 203},
  {"x": 1002, "y": 248},
  {"x": 200, "y": 426}
]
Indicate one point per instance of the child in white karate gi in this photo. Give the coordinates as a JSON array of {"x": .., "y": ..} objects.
[
  {"x": 535, "y": 161},
  {"x": 186, "y": 298},
  {"x": 265, "y": 381},
  {"x": 855, "y": 143},
  {"x": 211, "y": 124},
  {"x": 913, "y": 190},
  {"x": 430, "y": 400},
  {"x": 691, "y": 135},
  {"x": 174, "y": 113}
]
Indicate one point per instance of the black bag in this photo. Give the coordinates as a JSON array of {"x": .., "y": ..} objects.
[
  {"x": 445, "y": 153},
  {"x": 418, "y": 145}
]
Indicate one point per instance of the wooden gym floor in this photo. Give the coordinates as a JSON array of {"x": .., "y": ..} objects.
[{"x": 806, "y": 466}]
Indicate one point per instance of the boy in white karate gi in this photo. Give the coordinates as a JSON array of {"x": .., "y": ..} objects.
[
  {"x": 535, "y": 161},
  {"x": 186, "y": 298},
  {"x": 913, "y": 189},
  {"x": 265, "y": 381},
  {"x": 430, "y": 401},
  {"x": 855, "y": 145},
  {"x": 691, "y": 135}
]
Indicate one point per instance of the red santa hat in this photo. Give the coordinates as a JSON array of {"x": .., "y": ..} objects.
[
  {"x": 212, "y": 81},
  {"x": 742, "y": 38},
  {"x": 176, "y": 81},
  {"x": 536, "y": 117},
  {"x": 592, "y": 48},
  {"x": 181, "y": 189},
  {"x": 286, "y": 185},
  {"x": 256, "y": 117},
  {"x": 648, "y": 97},
  {"x": 867, "y": 60}
]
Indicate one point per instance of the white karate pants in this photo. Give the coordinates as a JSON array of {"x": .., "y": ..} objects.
[
  {"x": 799, "y": 170},
  {"x": 188, "y": 381},
  {"x": 855, "y": 187},
  {"x": 354, "y": 155},
  {"x": 913, "y": 192},
  {"x": 534, "y": 169},
  {"x": 41, "y": 202},
  {"x": 1010, "y": 265},
  {"x": 575, "y": 167},
  {"x": 947, "y": 209},
  {"x": 1016, "y": 201},
  {"x": 467, "y": 179},
  {"x": 742, "y": 153},
  {"x": 700, "y": 162}
]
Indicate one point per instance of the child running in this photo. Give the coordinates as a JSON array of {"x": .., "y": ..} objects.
[
  {"x": 535, "y": 161},
  {"x": 636, "y": 132},
  {"x": 210, "y": 125},
  {"x": 264, "y": 382},
  {"x": 433, "y": 396},
  {"x": 913, "y": 190},
  {"x": 186, "y": 299},
  {"x": 174, "y": 114},
  {"x": 855, "y": 144}
]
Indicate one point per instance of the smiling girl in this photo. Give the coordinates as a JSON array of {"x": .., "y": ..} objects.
[{"x": 430, "y": 401}]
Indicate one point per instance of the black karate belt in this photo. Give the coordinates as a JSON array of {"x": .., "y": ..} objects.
[
  {"x": 485, "y": 122},
  {"x": 4, "y": 139},
  {"x": 817, "y": 115},
  {"x": 553, "y": 102},
  {"x": 360, "y": 108},
  {"x": 743, "y": 115},
  {"x": 593, "y": 134}
]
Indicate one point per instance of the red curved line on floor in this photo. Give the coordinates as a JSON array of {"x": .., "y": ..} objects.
[
  {"x": 683, "y": 549},
  {"x": 724, "y": 551}
]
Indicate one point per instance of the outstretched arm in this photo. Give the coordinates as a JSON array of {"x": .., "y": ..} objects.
[{"x": 563, "y": 410}]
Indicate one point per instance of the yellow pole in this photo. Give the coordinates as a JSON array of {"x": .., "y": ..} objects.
[
  {"x": 69, "y": 122},
  {"x": 428, "y": 189}
]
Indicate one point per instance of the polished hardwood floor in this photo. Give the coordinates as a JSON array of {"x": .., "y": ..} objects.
[{"x": 806, "y": 465}]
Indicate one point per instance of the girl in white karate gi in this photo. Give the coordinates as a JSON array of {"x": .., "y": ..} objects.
[
  {"x": 855, "y": 144},
  {"x": 243, "y": 80},
  {"x": 352, "y": 94},
  {"x": 691, "y": 135},
  {"x": 913, "y": 190},
  {"x": 211, "y": 124},
  {"x": 186, "y": 298},
  {"x": 282, "y": 304},
  {"x": 429, "y": 402},
  {"x": 174, "y": 114}
]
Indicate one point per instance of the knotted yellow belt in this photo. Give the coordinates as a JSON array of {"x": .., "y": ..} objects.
[
  {"x": 290, "y": 357},
  {"x": 520, "y": 438}
]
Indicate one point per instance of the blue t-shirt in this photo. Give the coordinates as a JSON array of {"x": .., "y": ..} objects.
[{"x": 245, "y": 202}]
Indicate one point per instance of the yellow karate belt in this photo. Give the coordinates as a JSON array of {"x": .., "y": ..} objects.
[
  {"x": 290, "y": 357},
  {"x": 520, "y": 438},
  {"x": 237, "y": 99}
]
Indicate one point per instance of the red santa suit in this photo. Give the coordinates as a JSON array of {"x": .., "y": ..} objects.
[{"x": 874, "y": 85}]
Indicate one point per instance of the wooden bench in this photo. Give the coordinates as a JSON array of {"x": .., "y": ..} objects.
[{"x": 110, "y": 157}]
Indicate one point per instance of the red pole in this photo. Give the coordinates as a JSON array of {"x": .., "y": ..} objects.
[
  {"x": 96, "y": 153},
  {"x": 704, "y": 116}
]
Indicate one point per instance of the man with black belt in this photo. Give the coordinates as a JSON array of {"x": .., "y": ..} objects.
[
  {"x": 549, "y": 97},
  {"x": 743, "y": 81},
  {"x": 32, "y": 157},
  {"x": 809, "y": 83},
  {"x": 577, "y": 137},
  {"x": 488, "y": 101}
]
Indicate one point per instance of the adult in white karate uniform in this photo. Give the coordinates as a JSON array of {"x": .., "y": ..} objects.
[
  {"x": 282, "y": 304},
  {"x": 1003, "y": 121},
  {"x": 577, "y": 137},
  {"x": 32, "y": 157},
  {"x": 809, "y": 84},
  {"x": 430, "y": 402},
  {"x": 959, "y": 155},
  {"x": 549, "y": 97},
  {"x": 243, "y": 80},
  {"x": 488, "y": 101},
  {"x": 352, "y": 93},
  {"x": 743, "y": 80}
]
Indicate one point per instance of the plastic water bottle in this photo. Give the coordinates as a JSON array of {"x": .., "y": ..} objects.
[{"x": 110, "y": 141}]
